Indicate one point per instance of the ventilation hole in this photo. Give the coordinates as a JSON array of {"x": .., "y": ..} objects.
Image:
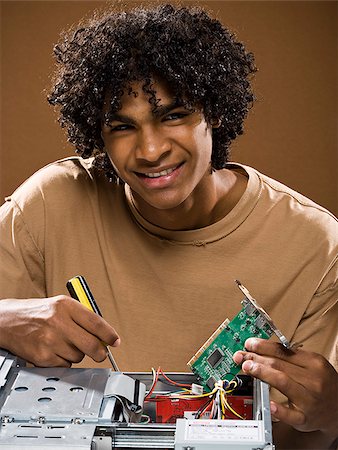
[
  {"x": 23, "y": 436},
  {"x": 44, "y": 399},
  {"x": 76, "y": 389},
  {"x": 49, "y": 389},
  {"x": 21, "y": 388},
  {"x": 52, "y": 379}
]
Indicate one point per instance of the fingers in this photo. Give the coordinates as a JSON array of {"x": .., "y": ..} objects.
[
  {"x": 309, "y": 369},
  {"x": 44, "y": 357},
  {"x": 280, "y": 380},
  {"x": 87, "y": 343},
  {"x": 289, "y": 415},
  {"x": 54, "y": 331},
  {"x": 84, "y": 331},
  {"x": 51, "y": 361},
  {"x": 69, "y": 353},
  {"x": 295, "y": 372},
  {"x": 94, "y": 324},
  {"x": 277, "y": 350},
  {"x": 307, "y": 379},
  {"x": 65, "y": 349}
]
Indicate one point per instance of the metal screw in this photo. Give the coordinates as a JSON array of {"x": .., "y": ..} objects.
[
  {"x": 77, "y": 421},
  {"x": 7, "y": 419}
]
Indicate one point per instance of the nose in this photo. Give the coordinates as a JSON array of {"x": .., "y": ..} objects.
[{"x": 152, "y": 145}]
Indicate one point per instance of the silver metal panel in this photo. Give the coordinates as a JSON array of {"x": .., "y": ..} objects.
[
  {"x": 262, "y": 398},
  {"x": 56, "y": 394},
  {"x": 102, "y": 443},
  {"x": 147, "y": 436},
  {"x": 16, "y": 436},
  {"x": 7, "y": 361}
]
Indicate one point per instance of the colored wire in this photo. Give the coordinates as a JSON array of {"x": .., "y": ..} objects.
[
  {"x": 203, "y": 409},
  {"x": 145, "y": 419},
  {"x": 206, "y": 394},
  {"x": 225, "y": 404},
  {"x": 217, "y": 398},
  {"x": 172, "y": 381},
  {"x": 155, "y": 379},
  {"x": 232, "y": 410}
]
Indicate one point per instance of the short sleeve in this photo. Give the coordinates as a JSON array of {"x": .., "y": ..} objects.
[
  {"x": 21, "y": 259},
  {"x": 317, "y": 330}
]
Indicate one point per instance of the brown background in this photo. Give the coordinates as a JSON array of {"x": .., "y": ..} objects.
[{"x": 291, "y": 134}]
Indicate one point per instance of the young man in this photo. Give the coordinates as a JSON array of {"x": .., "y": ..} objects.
[{"x": 152, "y": 99}]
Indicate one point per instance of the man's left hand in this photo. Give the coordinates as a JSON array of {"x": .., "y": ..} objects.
[{"x": 307, "y": 379}]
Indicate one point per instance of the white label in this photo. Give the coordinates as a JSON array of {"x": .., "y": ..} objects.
[{"x": 220, "y": 430}]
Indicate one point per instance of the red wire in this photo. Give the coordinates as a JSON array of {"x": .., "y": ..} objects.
[
  {"x": 154, "y": 384},
  {"x": 173, "y": 382},
  {"x": 208, "y": 406},
  {"x": 158, "y": 372}
]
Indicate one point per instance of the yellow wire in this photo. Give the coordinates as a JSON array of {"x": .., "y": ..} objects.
[
  {"x": 223, "y": 392},
  {"x": 228, "y": 389},
  {"x": 207, "y": 394},
  {"x": 232, "y": 410},
  {"x": 194, "y": 396}
]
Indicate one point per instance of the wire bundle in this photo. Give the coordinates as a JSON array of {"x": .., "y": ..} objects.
[{"x": 216, "y": 400}]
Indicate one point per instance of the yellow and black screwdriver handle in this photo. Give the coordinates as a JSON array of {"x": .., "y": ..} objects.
[{"x": 79, "y": 290}]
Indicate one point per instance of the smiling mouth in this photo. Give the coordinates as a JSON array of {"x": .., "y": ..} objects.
[{"x": 162, "y": 173}]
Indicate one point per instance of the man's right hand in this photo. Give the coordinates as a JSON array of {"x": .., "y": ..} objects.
[{"x": 56, "y": 331}]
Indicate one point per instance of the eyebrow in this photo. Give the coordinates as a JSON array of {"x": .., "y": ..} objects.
[
  {"x": 120, "y": 118},
  {"x": 157, "y": 111},
  {"x": 161, "y": 110}
]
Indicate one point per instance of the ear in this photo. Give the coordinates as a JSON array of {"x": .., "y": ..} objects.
[{"x": 216, "y": 123}]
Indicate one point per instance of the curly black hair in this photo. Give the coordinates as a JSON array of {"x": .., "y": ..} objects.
[{"x": 200, "y": 59}]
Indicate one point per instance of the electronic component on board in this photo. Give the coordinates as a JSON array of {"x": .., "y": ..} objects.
[{"x": 213, "y": 361}]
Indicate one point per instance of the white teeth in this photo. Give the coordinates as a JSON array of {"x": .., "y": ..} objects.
[{"x": 159, "y": 174}]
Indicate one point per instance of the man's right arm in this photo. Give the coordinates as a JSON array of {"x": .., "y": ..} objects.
[
  {"x": 52, "y": 331},
  {"x": 56, "y": 331}
]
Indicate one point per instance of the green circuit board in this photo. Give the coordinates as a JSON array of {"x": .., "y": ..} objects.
[{"x": 213, "y": 361}]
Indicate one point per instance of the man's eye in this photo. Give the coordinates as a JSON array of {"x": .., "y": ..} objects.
[
  {"x": 121, "y": 127},
  {"x": 176, "y": 116}
]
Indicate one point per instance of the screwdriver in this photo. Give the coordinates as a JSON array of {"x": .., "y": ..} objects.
[{"x": 79, "y": 290}]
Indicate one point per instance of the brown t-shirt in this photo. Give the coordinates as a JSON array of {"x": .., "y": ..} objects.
[{"x": 165, "y": 291}]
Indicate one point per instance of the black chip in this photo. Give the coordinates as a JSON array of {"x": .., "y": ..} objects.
[
  {"x": 214, "y": 358},
  {"x": 211, "y": 383}
]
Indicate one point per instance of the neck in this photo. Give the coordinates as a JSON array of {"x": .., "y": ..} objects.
[{"x": 209, "y": 203}]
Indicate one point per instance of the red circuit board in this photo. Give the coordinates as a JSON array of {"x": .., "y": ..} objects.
[{"x": 170, "y": 409}]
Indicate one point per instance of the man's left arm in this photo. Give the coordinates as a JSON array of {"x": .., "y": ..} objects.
[{"x": 307, "y": 412}]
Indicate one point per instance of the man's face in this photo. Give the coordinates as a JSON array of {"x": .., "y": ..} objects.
[{"x": 164, "y": 156}]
